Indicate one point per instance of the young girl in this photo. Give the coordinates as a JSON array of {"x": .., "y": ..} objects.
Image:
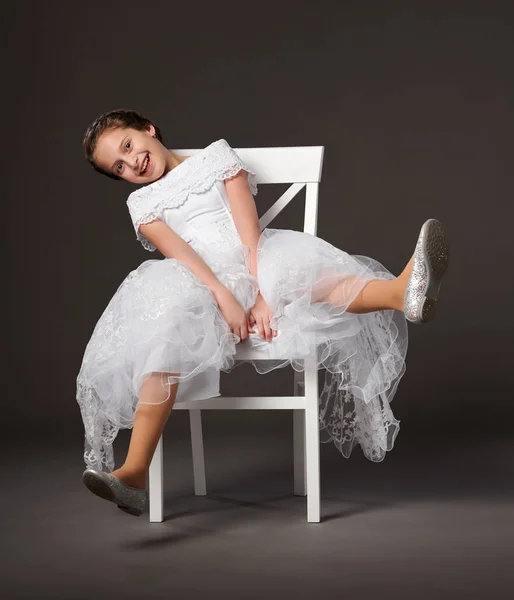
[{"x": 173, "y": 324}]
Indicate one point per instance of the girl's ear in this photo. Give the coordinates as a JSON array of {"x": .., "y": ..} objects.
[{"x": 151, "y": 129}]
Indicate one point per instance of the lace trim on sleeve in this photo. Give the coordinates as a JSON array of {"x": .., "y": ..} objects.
[
  {"x": 226, "y": 164},
  {"x": 195, "y": 175},
  {"x": 142, "y": 210}
]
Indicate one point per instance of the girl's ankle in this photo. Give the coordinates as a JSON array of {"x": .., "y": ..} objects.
[{"x": 399, "y": 293}]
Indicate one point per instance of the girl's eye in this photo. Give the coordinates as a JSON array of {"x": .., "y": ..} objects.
[
  {"x": 119, "y": 164},
  {"x": 118, "y": 167}
]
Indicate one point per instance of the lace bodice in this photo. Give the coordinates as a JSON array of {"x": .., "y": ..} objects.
[{"x": 192, "y": 200}]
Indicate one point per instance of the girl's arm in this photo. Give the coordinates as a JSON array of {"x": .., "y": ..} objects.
[
  {"x": 244, "y": 213},
  {"x": 246, "y": 220},
  {"x": 171, "y": 245}
]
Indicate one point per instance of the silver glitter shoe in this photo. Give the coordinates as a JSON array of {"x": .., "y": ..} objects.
[
  {"x": 132, "y": 500},
  {"x": 431, "y": 257}
]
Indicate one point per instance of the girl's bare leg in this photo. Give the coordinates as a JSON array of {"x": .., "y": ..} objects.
[
  {"x": 148, "y": 426},
  {"x": 378, "y": 294}
]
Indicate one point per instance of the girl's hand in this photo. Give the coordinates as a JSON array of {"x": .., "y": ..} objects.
[
  {"x": 233, "y": 313},
  {"x": 260, "y": 315}
]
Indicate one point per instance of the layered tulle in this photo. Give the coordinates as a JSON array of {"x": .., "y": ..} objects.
[
  {"x": 363, "y": 354},
  {"x": 162, "y": 319}
]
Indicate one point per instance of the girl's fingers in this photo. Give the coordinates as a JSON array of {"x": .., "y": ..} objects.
[
  {"x": 273, "y": 331},
  {"x": 269, "y": 335},
  {"x": 260, "y": 327}
]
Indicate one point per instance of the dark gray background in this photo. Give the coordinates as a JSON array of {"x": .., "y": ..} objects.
[{"x": 414, "y": 105}]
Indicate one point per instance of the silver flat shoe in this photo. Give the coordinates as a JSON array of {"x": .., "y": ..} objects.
[
  {"x": 132, "y": 500},
  {"x": 431, "y": 257}
]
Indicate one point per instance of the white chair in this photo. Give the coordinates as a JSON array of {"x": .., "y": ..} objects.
[{"x": 301, "y": 166}]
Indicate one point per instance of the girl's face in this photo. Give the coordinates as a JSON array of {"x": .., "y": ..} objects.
[{"x": 135, "y": 156}]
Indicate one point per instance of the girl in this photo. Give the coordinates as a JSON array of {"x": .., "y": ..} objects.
[{"x": 173, "y": 324}]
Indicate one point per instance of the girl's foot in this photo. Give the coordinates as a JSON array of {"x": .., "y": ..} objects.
[
  {"x": 137, "y": 480},
  {"x": 130, "y": 499},
  {"x": 421, "y": 278}
]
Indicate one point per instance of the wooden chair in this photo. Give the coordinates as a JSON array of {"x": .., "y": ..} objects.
[{"x": 300, "y": 166}]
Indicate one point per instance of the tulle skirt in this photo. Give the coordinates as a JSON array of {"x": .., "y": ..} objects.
[{"x": 163, "y": 320}]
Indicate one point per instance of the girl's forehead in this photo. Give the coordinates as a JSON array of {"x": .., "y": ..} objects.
[{"x": 112, "y": 137}]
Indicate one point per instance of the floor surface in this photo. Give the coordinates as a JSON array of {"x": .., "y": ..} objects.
[{"x": 424, "y": 523}]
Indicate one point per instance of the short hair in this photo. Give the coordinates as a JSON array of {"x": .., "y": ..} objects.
[{"x": 112, "y": 120}]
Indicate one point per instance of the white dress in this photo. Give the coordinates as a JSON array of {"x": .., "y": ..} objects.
[{"x": 163, "y": 319}]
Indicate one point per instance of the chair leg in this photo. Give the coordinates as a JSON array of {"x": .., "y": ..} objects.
[
  {"x": 195, "y": 422},
  {"x": 155, "y": 483},
  {"x": 312, "y": 441},
  {"x": 299, "y": 440}
]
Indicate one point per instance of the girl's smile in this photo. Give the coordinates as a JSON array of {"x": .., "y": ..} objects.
[{"x": 147, "y": 166}]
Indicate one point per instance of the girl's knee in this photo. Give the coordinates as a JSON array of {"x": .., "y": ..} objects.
[{"x": 159, "y": 382}]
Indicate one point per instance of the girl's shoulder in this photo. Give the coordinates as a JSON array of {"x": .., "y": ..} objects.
[
  {"x": 196, "y": 174},
  {"x": 190, "y": 173}
]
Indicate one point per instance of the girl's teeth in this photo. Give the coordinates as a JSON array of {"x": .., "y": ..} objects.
[{"x": 144, "y": 165}]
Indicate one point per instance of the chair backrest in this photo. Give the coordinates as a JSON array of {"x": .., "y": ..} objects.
[{"x": 299, "y": 165}]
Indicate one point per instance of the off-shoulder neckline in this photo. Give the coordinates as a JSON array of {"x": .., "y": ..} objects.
[{"x": 170, "y": 174}]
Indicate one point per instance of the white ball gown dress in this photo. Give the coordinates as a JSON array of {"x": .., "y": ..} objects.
[{"x": 163, "y": 319}]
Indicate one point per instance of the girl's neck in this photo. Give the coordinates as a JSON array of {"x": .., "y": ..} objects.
[{"x": 173, "y": 160}]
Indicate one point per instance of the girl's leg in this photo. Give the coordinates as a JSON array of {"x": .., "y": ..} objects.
[
  {"x": 378, "y": 294},
  {"x": 148, "y": 426}
]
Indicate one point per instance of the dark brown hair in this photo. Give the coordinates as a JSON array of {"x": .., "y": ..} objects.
[{"x": 112, "y": 120}]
